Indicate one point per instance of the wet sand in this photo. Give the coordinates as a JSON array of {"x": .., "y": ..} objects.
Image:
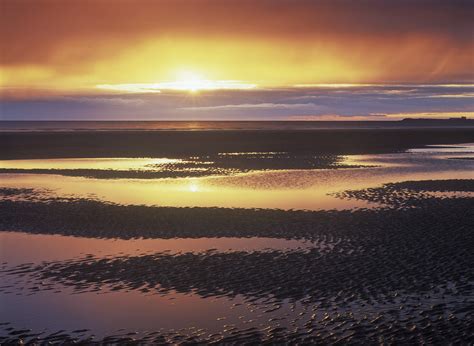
[
  {"x": 86, "y": 144},
  {"x": 397, "y": 271},
  {"x": 408, "y": 266}
]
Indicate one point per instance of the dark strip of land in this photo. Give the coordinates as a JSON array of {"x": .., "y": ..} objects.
[{"x": 34, "y": 145}]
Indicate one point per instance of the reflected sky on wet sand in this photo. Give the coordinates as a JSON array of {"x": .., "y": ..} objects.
[
  {"x": 280, "y": 189},
  {"x": 99, "y": 298},
  {"x": 18, "y": 248}
]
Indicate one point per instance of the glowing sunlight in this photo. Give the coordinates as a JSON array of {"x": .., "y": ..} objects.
[{"x": 186, "y": 81}]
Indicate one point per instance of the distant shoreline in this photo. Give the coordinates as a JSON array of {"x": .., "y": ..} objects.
[{"x": 224, "y": 125}]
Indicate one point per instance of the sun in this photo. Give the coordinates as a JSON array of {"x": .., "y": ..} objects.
[
  {"x": 194, "y": 82},
  {"x": 185, "y": 81},
  {"x": 191, "y": 81},
  {"x": 193, "y": 187}
]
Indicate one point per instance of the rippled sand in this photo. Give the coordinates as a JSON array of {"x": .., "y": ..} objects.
[{"x": 376, "y": 250}]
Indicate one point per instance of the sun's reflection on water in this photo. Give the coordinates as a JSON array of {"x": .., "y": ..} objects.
[{"x": 306, "y": 189}]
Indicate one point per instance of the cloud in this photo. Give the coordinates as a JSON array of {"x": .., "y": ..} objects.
[
  {"x": 460, "y": 95},
  {"x": 337, "y": 117},
  {"x": 81, "y": 43},
  {"x": 193, "y": 84},
  {"x": 368, "y": 102},
  {"x": 108, "y": 100},
  {"x": 251, "y": 106},
  {"x": 45, "y": 24}
]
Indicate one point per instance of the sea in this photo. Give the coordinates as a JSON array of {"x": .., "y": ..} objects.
[{"x": 65, "y": 126}]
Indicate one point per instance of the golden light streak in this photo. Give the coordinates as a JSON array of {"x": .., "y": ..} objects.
[
  {"x": 450, "y": 96},
  {"x": 187, "y": 81},
  {"x": 361, "y": 85},
  {"x": 131, "y": 88},
  {"x": 333, "y": 85},
  {"x": 188, "y": 85}
]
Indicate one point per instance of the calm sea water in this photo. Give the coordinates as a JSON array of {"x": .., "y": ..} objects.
[{"x": 19, "y": 126}]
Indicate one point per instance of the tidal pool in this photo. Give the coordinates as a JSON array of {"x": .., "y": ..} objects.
[{"x": 273, "y": 189}]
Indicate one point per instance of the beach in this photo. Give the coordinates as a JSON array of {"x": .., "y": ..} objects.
[
  {"x": 233, "y": 236},
  {"x": 240, "y": 172}
]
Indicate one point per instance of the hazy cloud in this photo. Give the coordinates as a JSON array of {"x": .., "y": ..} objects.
[{"x": 356, "y": 102}]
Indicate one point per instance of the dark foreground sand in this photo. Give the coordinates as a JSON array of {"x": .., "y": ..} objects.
[{"x": 402, "y": 274}]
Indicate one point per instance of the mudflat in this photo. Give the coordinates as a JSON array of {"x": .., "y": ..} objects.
[
  {"x": 44, "y": 144},
  {"x": 327, "y": 236}
]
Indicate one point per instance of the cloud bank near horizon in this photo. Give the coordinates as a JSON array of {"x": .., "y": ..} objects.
[{"x": 378, "y": 102}]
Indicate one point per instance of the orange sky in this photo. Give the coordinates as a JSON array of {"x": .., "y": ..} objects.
[
  {"x": 90, "y": 47},
  {"x": 80, "y": 43}
]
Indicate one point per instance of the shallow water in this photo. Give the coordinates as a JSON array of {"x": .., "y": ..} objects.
[
  {"x": 106, "y": 313},
  {"x": 18, "y": 247},
  {"x": 274, "y": 189},
  {"x": 87, "y": 163}
]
